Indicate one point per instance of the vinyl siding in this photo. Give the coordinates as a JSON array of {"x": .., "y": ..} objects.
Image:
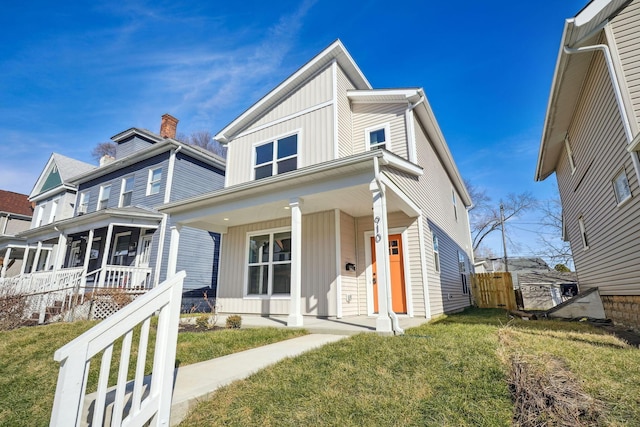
[
  {"x": 348, "y": 254},
  {"x": 599, "y": 145},
  {"x": 318, "y": 268},
  {"x": 131, "y": 146},
  {"x": 315, "y": 143},
  {"x": 193, "y": 177},
  {"x": 625, "y": 29},
  {"x": 368, "y": 115},
  {"x": 13, "y": 225},
  {"x": 345, "y": 130}
]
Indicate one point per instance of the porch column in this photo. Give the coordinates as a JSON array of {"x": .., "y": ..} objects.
[
  {"x": 105, "y": 255},
  {"x": 23, "y": 268},
  {"x": 172, "y": 263},
  {"x": 87, "y": 256},
  {"x": 5, "y": 261},
  {"x": 381, "y": 238},
  {"x": 36, "y": 258},
  {"x": 295, "y": 305},
  {"x": 61, "y": 250}
]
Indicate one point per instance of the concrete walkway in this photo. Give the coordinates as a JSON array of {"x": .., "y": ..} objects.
[{"x": 198, "y": 381}]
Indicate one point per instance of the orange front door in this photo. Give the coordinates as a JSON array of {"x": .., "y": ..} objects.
[{"x": 396, "y": 262}]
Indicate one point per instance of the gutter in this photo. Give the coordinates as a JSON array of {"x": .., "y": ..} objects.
[{"x": 395, "y": 324}]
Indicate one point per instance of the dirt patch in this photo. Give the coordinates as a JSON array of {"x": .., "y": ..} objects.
[
  {"x": 628, "y": 335},
  {"x": 191, "y": 327},
  {"x": 546, "y": 394}
]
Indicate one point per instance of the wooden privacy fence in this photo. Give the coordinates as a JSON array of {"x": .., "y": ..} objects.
[{"x": 493, "y": 290}]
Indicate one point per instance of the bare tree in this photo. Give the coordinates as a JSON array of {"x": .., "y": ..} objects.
[
  {"x": 203, "y": 139},
  {"x": 484, "y": 215},
  {"x": 552, "y": 246},
  {"x": 102, "y": 149}
]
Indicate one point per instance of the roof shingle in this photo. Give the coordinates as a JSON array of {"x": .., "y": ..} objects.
[{"x": 15, "y": 203}]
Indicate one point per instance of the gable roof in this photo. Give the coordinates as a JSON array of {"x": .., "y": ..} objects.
[
  {"x": 334, "y": 52},
  {"x": 582, "y": 30},
  {"x": 56, "y": 174},
  {"x": 15, "y": 203}
]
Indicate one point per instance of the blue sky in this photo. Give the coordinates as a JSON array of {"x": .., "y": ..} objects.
[{"x": 73, "y": 74}]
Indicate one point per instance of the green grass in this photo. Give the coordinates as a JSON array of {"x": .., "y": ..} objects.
[
  {"x": 28, "y": 373},
  {"x": 450, "y": 372}
]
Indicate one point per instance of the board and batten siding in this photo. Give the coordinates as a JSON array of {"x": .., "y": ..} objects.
[
  {"x": 411, "y": 249},
  {"x": 432, "y": 192},
  {"x": 626, "y": 30},
  {"x": 598, "y": 143},
  {"x": 316, "y": 90},
  {"x": 318, "y": 268},
  {"x": 366, "y": 115},
  {"x": 315, "y": 143},
  {"x": 345, "y": 143},
  {"x": 349, "y": 279}
]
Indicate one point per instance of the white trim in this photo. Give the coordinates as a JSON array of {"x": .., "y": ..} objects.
[
  {"x": 334, "y": 77},
  {"x": 122, "y": 188},
  {"x": 621, "y": 201},
  {"x": 284, "y": 119},
  {"x": 411, "y": 135},
  {"x": 338, "y": 252},
  {"x": 161, "y": 236},
  {"x": 149, "y": 177},
  {"x": 115, "y": 244},
  {"x": 572, "y": 161},
  {"x": 245, "y": 290},
  {"x": 583, "y": 233},
  {"x": 142, "y": 237},
  {"x": 274, "y": 159},
  {"x": 219, "y": 263},
  {"x": 387, "y": 136},
  {"x": 170, "y": 172},
  {"x": 99, "y": 206},
  {"x": 80, "y": 199},
  {"x": 53, "y": 210},
  {"x": 423, "y": 267},
  {"x": 369, "y": 270},
  {"x": 407, "y": 271}
]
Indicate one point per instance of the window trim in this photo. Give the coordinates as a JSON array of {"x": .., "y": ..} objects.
[
  {"x": 387, "y": 134},
  {"x": 572, "y": 160},
  {"x": 83, "y": 200},
  {"x": 122, "y": 192},
  {"x": 621, "y": 202},
  {"x": 436, "y": 251},
  {"x": 270, "y": 263},
  {"x": 454, "y": 199},
  {"x": 150, "y": 183},
  {"x": 100, "y": 197},
  {"x": 583, "y": 233},
  {"x": 274, "y": 158},
  {"x": 464, "y": 273},
  {"x": 54, "y": 210}
]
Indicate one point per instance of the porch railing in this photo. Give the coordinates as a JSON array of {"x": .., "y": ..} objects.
[
  {"x": 75, "y": 358},
  {"x": 125, "y": 277}
]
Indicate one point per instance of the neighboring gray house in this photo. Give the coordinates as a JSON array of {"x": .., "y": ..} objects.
[
  {"x": 340, "y": 200},
  {"x": 115, "y": 235},
  {"x": 15, "y": 216},
  {"x": 591, "y": 139}
]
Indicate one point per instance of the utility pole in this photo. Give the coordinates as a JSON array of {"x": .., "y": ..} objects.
[{"x": 504, "y": 241}]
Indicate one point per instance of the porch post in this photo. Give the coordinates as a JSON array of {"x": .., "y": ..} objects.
[
  {"x": 5, "y": 261},
  {"x": 172, "y": 263},
  {"x": 87, "y": 256},
  {"x": 105, "y": 255},
  {"x": 24, "y": 260},
  {"x": 60, "y": 253},
  {"x": 36, "y": 258},
  {"x": 295, "y": 305},
  {"x": 381, "y": 238}
]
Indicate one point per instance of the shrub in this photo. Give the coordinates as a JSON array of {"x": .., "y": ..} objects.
[
  {"x": 234, "y": 322},
  {"x": 202, "y": 321}
]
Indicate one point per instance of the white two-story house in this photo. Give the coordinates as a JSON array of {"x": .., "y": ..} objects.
[{"x": 339, "y": 200}]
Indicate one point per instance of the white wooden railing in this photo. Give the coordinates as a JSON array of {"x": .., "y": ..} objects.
[
  {"x": 75, "y": 358},
  {"x": 125, "y": 277}
]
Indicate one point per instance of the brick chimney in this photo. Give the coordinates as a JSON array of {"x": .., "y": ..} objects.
[{"x": 168, "y": 126}]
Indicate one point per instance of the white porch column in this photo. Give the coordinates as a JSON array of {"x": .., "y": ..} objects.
[
  {"x": 105, "y": 255},
  {"x": 25, "y": 259},
  {"x": 5, "y": 260},
  {"x": 87, "y": 257},
  {"x": 381, "y": 238},
  {"x": 36, "y": 258},
  {"x": 172, "y": 263},
  {"x": 58, "y": 260},
  {"x": 295, "y": 305}
]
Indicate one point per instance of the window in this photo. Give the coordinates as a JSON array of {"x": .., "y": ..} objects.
[
  {"x": 455, "y": 204},
  {"x": 377, "y": 137},
  {"x": 54, "y": 208},
  {"x": 103, "y": 200},
  {"x": 276, "y": 157},
  {"x": 83, "y": 206},
  {"x": 436, "y": 253},
  {"x": 153, "y": 186},
  {"x": 269, "y": 266},
  {"x": 462, "y": 265},
  {"x": 121, "y": 248},
  {"x": 39, "y": 215},
  {"x": 126, "y": 191},
  {"x": 621, "y": 187},
  {"x": 567, "y": 147},
  {"x": 583, "y": 233}
]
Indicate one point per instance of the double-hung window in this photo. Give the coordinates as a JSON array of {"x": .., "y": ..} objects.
[
  {"x": 126, "y": 191},
  {"x": 436, "y": 253},
  {"x": 155, "y": 177},
  {"x": 269, "y": 266},
  {"x": 377, "y": 137},
  {"x": 583, "y": 233},
  {"x": 103, "y": 199},
  {"x": 621, "y": 187},
  {"x": 462, "y": 264},
  {"x": 454, "y": 200},
  {"x": 276, "y": 157},
  {"x": 83, "y": 205},
  {"x": 572, "y": 161}
]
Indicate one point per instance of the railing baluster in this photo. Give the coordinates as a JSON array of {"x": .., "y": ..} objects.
[
  {"x": 103, "y": 382},
  {"x": 118, "y": 405},
  {"x": 140, "y": 365}
]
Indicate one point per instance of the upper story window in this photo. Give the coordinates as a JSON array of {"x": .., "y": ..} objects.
[
  {"x": 83, "y": 205},
  {"x": 269, "y": 263},
  {"x": 276, "y": 157},
  {"x": 103, "y": 199},
  {"x": 126, "y": 191},
  {"x": 572, "y": 161},
  {"x": 436, "y": 253},
  {"x": 621, "y": 187},
  {"x": 455, "y": 204},
  {"x": 583, "y": 234},
  {"x": 39, "y": 215},
  {"x": 155, "y": 176},
  {"x": 377, "y": 137},
  {"x": 54, "y": 209}
]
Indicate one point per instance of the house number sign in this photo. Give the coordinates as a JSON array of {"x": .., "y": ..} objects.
[{"x": 376, "y": 220}]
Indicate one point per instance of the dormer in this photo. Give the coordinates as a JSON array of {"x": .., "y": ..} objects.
[{"x": 135, "y": 139}]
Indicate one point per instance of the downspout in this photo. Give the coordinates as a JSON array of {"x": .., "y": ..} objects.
[
  {"x": 411, "y": 139},
  {"x": 616, "y": 90},
  {"x": 395, "y": 324}
]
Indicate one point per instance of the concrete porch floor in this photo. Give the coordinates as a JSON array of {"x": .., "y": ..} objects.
[{"x": 322, "y": 325}]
